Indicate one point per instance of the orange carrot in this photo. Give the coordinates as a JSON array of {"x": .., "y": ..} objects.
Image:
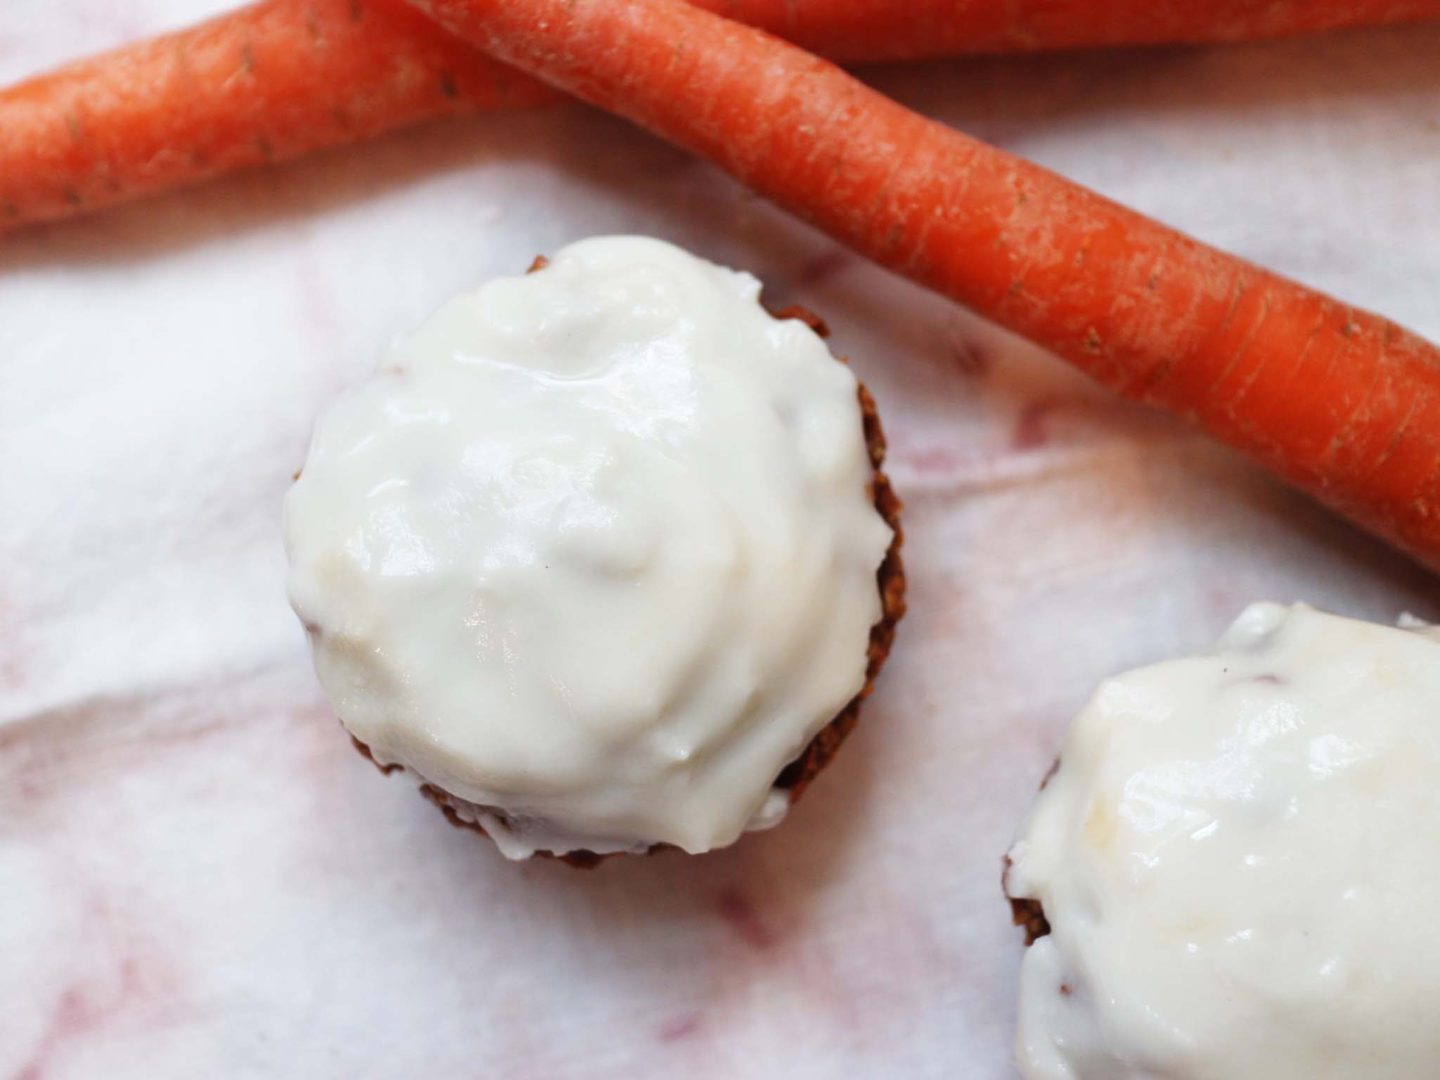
[
  {"x": 1341, "y": 402},
  {"x": 282, "y": 78},
  {"x": 262, "y": 84},
  {"x": 911, "y": 29}
]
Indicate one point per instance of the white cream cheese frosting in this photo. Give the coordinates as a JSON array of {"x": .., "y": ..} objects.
[
  {"x": 597, "y": 548},
  {"x": 1239, "y": 858}
]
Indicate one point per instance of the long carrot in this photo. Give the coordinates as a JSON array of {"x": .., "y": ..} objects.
[
  {"x": 283, "y": 78},
  {"x": 1342, "y": 403},
  {"x": 266, "y": 83},
  {"x": 911, "y": 29}
]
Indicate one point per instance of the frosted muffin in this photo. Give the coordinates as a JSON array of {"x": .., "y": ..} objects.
[
  {"x": 1227, "y": 873},
  {"x": 602, "y": 556}
]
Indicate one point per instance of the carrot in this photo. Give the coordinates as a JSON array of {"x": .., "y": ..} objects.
[
  {"x": 283, "y": 78},
  {"x": 266, "y": 83},
  {"x": 1340, "y": 402},
  {"x": 912, "y": 29}
]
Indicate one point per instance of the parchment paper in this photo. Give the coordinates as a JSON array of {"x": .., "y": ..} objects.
[{"x": 198, "y": 875}]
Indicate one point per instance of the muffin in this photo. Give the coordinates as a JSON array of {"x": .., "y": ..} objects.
[
  {"x": 603, "y": 557},
  {"x": 1226, "y": 874}
]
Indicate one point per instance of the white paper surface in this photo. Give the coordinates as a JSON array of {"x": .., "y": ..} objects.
[{"x": 198, "y": 875}]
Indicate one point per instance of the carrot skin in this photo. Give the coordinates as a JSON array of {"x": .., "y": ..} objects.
[
  {"x": 266, "y": 83},
  {"x": 888, "y": 29},
  {"x": 1340, "y": 402},
  {"x": 282, "y": 78}
]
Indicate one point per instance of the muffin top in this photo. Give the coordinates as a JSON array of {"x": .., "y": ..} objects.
[
  {"x": 1239, "y": 859},
  {"x": 595, "y": 548}
]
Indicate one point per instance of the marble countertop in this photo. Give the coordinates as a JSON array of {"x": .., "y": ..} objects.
[{"x": 198, "y": 875}]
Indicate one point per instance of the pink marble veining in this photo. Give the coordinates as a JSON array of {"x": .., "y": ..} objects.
[
  {"x": 748, "y": 925},
  {"x": 137, "y": 989}
]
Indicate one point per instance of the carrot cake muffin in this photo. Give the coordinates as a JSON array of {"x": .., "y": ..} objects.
[
  {"x": 602, "y": 556},
  {"x": 1230, "y": 869}
]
